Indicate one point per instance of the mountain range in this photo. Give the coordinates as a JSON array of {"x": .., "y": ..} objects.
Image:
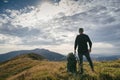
[
  {"x": 50, "y": 55},
  {"x": 103, "y": 57},
  {"x": 54, "y": 56}
]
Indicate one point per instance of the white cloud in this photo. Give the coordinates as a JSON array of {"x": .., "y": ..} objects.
[
  {"x": 32, "y": 16},
  {"x": 57, "y": 25},
  {"x": 5, "y": 39},
  {"x": 102, "y": 45},
  {"x": 2, "y": 20},
  {"x": 11, "y": 47},
  {"x": 5, "y": 1}
]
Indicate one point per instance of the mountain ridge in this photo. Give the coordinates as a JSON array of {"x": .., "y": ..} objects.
[
  {"x": 50, "y": 55},
  {"x": 54, "y": 56}
]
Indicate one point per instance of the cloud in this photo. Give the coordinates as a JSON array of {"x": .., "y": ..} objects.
[
  {"x": 5, "y": 39},
  {"x": 50, "y": 24},
  {"x": 100, "y": 45},
  {"x": 18, "y": 31}
]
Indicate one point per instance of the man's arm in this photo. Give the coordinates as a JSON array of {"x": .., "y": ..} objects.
[
  {"x": 76, "y": 43},
  {"x": 90, "y": 44}
]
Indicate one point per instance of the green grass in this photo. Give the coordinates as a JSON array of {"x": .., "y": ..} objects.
[{"x": 25, "y": 68}]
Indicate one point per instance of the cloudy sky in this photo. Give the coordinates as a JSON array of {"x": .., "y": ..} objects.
[{"x": 54, "y": 24}]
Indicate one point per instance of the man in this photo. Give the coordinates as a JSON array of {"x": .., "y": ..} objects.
[{"x": 81, "y": 42}]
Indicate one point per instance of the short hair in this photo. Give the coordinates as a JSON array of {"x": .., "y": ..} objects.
[{"x": 81, "y": 30}]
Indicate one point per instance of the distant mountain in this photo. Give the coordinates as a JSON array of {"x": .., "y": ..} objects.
[
  {"x": 53, "y": 56},
  {"x": 50, "y": 55},
  {"x": 104, "y": 57},
  {"x": 29, "y": 56},
  {"x": 108, "y": 58},
  {"x": 99, "y": 57}
]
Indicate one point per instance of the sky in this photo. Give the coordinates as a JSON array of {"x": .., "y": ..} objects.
[{"x": 54, "y": 24}]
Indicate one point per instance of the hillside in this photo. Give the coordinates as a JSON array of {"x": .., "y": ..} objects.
[
  {"x": 33, "y": 56},
  {"x": 25, "y": 67},
  {"x": 50, "y": 55}
]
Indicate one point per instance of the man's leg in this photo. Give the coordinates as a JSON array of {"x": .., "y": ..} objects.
[
  {"x": 81, "y": 62},
  {"x": 87, "y": 55}
]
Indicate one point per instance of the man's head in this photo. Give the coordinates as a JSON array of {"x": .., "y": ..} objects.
[{"x": 81, "y": 30}]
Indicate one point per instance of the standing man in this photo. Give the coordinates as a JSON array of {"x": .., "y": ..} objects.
[{"x": 81, "y": 42}]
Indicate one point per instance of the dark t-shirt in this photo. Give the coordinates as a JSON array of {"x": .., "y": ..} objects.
[{"x": 81, "y": 43}]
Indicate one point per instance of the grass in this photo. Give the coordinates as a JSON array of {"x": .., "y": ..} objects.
[{"x": 30, "y": 69}]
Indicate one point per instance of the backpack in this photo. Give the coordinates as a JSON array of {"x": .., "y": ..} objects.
[{"x": 71, "y": 63}]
